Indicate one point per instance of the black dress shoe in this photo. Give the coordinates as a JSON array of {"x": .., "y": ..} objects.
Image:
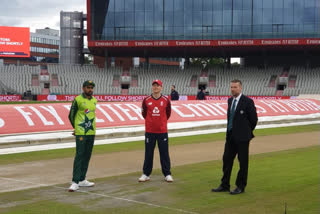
[
  {"x": 221, "y": 189},
  {"x": 237, "y": 191}
]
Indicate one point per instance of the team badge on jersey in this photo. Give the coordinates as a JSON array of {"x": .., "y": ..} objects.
[
  {"x": 161, "y": 103},
  {"x": 150, "y": 104}
]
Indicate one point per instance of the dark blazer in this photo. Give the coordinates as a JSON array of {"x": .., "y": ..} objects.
[
  {"x": 244, "y": 120},
  {"x": 174, "y": 95}
]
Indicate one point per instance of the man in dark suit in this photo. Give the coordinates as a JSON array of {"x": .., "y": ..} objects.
[
  {"x": 242, "y": 120},
  {"x": 174, "y": 93}
]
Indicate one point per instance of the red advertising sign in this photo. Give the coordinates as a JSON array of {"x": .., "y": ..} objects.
[
  {"x": 134, "y": 98},
  {"x": 204, "y": 43},
  {"x": 10, "y": 98},
  {"x": 14, "y": 42},
  {"x": 106, "y": 98},
  {"x": 28, "y": 118}
]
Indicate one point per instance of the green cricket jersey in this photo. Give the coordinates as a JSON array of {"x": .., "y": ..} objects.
[{"x": 82, "y": 115}]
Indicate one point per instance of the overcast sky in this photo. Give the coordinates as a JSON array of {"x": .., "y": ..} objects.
[{"x": 37, "y": 14}]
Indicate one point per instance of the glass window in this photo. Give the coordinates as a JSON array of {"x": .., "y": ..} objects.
[
  {"x": 158, "y": 18},
  {"x": 217, "y": 18},
  {"x": 119, "y": 19},
  {"x": 148, "y": 33},
  {"x": 207, "y": 5},
  {"x": 197, "y": 5},
  {"x": 237, "y": 4},
  {"x": 217, "y": 5},
  {"x": 207, "y": 18},
  {"x": 129, "y": 19},
  {"x": 237, "y": 17},
  {"x": 158, "y": 5},
  {"x": 149, "y": 4},
  {"x": 227, "y": 17},
  {"x": 257, "y": 17},
  {"x": 158, "y": 33},
  {"x": 278, "y": 4},
  {"x": 247, "y": 4},
  {"x": 129, "y": 5},
  {"x": 277, "y": 16},
  {"x": 168, "y": 18},
  {"x": 168, "y": 33},
  {"x": 188, "y": 18},
  {"x": 267, "y": 4},
  {"x": 197, "y": 18},
  {"x": 111, "y": 6},
  {"x": 179, "y": 33},
  {"x": 298, "y": 12},
  {"x": 247, "y": 17},
  {"x": 288, "y": 3},
  {"x": 188, "y": 5},
  {"x": 178, "y": 5},
  {"x": 139, "y": 5},
  {"x": 258, "y": 4},
  {"x": 110, "y": 19},
  {"x": 119, "y": 5},
  {"x": 139, "y": 19},
  {"x": 227, "y": 4},
  {"x": 267, "y": 16},
  {"x": 288, "y": 16},
  {"x": 168, "y": 5},
  {"x": 178, "y": 19},
  {"x": 149, "y": 18},
  {"x": 309, "y": 3},
  {"x": 309, "y": 15}
]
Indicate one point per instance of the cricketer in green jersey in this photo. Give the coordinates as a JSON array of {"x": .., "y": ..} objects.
[{"x": 83, "y": 119}]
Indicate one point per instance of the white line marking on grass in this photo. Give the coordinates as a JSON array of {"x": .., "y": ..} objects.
[{"x": 102, "y": 195}]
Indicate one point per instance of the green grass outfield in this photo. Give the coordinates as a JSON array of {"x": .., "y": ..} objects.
[
  {"x": 290, "y": 177},
  {"x": 139, "y": 145}
]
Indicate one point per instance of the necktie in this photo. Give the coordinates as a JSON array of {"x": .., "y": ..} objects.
[{"x": 233, "y": 108}]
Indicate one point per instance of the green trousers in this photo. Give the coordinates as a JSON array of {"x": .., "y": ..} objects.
[{"x": 84, "y": 145}]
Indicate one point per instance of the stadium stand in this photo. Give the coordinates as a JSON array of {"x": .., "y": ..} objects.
[{"x": 67, "y": 79}]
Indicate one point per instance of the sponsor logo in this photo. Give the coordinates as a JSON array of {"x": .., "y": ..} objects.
[
  {"x": 161, "y": 103},
  {"x": 156, "y": 111},
  {"x": 149, "y": 104},
  {"x": 87, "y": 111}
]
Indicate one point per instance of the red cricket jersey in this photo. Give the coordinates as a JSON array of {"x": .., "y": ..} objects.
[{"x": 156, "y": 113}]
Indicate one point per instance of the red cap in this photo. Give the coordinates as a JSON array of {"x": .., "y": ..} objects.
[{"x": 157, "y": 81}]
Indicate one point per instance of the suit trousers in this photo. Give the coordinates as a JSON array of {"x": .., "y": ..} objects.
[
  {"x": 84, "y": 145},
  {"x": 232, "y": 148},
  {"x": 150, "y": 143}
]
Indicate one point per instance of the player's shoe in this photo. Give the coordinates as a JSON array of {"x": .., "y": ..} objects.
[
  {"x": 74, "y": 187},
  {"x": 86, "y": 183},
  {"x": 168, "y": 178},
  {"x": 144, "y": 178}
]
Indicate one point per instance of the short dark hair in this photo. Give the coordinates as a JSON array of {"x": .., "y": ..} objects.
[{"x": 236, "y": 81}]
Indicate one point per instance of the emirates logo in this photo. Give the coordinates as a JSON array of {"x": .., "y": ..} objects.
[{"x": 156, "y": 110}]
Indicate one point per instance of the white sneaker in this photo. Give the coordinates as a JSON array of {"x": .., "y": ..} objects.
[
  {"x": 86, "y": 183},
  {"x": 74, "y": 187},
  {"x": 168, "y": 178},
  {"x": 144, "y": 178}
]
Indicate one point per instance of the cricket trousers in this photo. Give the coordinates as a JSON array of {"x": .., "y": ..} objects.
[
  {"x": 84, "y": 145},
  {"x": 150, "y": 143}
]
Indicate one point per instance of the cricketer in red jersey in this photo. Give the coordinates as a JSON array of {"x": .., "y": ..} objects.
[{"x": 156, "y": 110}]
